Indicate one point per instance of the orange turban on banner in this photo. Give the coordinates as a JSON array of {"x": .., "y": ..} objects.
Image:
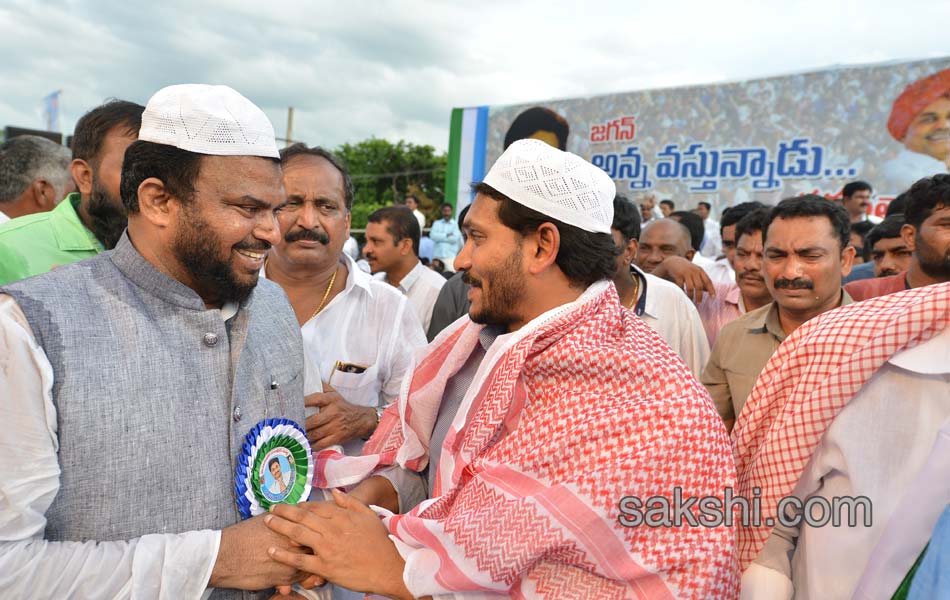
[{"x": 916, "y": 97}]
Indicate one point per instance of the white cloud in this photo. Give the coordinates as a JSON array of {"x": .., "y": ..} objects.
[{"x": 396, "y": 69}]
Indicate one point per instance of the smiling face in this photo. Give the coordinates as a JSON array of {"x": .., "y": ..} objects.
[
  {"x": 275, "y": 470},
  {"x": 660, "y": 240},
  {"x": 224, "y": 232},
  {"x": 929, "y": 132},
  {"x": 315, "y": 223},
  {"x": 493, "y": 264},
  {"x": 804, "y": 264}
]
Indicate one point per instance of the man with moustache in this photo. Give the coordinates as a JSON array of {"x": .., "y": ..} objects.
[
  {"x": 856, "y": 199},
  {"x": 806, "y": 253},
  {"x": 358, "y": 333},
  {"x": 889, "y": 253},
  {"x": 920, "y": 120},
  {"x": 548, "y": 355},
  {"x": 88, "y": 221},
  {"x": 748, "y": 292},
  {"x": 392, "y": 250},
  {"x": 163, "y": 352},
  {"x": 926, "y": 234}
]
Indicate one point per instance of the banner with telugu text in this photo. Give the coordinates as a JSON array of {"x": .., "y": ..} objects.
[{"x": 762, "y": 139}]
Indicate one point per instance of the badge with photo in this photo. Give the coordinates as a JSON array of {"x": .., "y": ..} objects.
[{"x": 275, "y": 466}]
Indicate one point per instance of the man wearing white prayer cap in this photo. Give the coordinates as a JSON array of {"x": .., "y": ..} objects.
[
  {"x": 131, "y": 379},
  {"x": 533, "y": 430}
]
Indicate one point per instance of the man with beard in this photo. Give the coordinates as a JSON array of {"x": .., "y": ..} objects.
[
  {"x": 529, "y": 422},
  {"x": 392, "y": 250},
  {"x": 88, "y": 221},
  {"x": 358, "y": 332},
  {"x": 748, "y": 292},
  {"x": 926, "y": 233},
  {"x": 163, "y": 352},
  {"x": 807, "y": 252}
]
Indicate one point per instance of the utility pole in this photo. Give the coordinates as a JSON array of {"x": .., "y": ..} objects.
[{"x": 290, "y": 125}]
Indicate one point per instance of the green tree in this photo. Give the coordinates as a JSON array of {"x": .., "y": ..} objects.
[{"x": 384, "y": 173}]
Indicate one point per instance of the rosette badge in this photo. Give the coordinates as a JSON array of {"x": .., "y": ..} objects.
[{"x": 275, "y": 466}]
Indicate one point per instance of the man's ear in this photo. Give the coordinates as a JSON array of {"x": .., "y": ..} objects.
[
  {"x": 543, "y": 246},
  {"x": 630, "y": 251},
  {"x": 847, "y": 260},
  {"x": 405, "y": 247},
  {"x": 909, "y": 235},
  {"x": 156, "y": 205},
  {"x": 44, "y": 195},
  {"x": 82, "y": 175},
  {"x": 690, "y": 254}
]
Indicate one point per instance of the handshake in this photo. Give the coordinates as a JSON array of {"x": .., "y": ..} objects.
[{"x": 342, "y": 541}]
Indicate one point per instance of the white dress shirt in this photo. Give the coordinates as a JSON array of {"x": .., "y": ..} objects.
[
  {"x": 721, "y": 271},
  {"x": 152, "y": 566},
  {"x": 669, "y": 312},
  {"x": 891, "y": 443},
  {"x": 421, "y": 285},
  {"x": 3, "y": 218},
  {"x": 712, "y": 241},
  {"x": 371, "y": 325}
]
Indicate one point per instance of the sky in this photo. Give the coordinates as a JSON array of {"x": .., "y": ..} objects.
[{"x": 394, "y": 69}]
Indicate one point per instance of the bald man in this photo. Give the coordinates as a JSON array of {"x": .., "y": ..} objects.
[{"x": 661, "y": 239}]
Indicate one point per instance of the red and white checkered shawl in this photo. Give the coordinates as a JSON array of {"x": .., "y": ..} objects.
[
  {"x": 581, "y": 407},
  {"x": 809, "y": 379}
]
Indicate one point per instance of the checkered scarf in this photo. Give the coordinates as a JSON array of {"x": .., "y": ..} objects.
[
  {"x": 811, "y": 377},
  {"x": 581, "y": 407}
]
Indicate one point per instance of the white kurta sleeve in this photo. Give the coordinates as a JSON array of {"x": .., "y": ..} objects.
[{"x": 152, "y": 566}]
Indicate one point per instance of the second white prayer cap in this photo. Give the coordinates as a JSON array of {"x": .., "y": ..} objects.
[
  {"x": 555, "y": 183},
  {"x": 208, "y": 119}
]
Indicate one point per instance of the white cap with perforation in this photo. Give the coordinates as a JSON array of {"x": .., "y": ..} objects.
[
  {"x": 555, "y": 183},
  {"x": 208, "y": 119}
]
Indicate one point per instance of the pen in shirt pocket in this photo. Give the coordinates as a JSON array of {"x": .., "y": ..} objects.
[{"x": 345, "y": 367}]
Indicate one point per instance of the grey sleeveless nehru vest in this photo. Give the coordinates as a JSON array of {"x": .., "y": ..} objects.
[{"x": 154, "y": 394}]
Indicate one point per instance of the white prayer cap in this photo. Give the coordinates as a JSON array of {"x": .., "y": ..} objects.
[
  {"x": 208, "y": 119},
  {"x": 555, "y": 183}
]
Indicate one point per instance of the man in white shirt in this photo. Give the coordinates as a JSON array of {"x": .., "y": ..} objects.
[
  {"x": 854, "y": 405},
  {"x": 34, "y": 176},
  {"x": 413, "y": 205},
  {"x": 661, "y": 304},
  {"x": 712, "y": 241},
  {"x": 392, "y": 250},
  {"x": 358, "y": 333}
]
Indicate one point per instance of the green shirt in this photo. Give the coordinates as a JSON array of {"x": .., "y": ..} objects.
[{"x": 36, "y": 243}]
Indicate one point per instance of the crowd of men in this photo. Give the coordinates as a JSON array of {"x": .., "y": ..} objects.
[{"x": 169, "y": 286}]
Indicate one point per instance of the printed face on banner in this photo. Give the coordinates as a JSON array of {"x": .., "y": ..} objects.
[{"x": 929, "y": 132}]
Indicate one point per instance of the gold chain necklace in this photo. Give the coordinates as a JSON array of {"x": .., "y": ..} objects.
[
  {"x": 326, "y": 294},
  {"x": 636, "y": 290}
]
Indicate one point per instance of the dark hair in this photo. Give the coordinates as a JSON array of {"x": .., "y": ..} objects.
[
  {"x": 400, "y": 223},
  {"x": 694, "y": 223},
  {"x": 626, "y": 218},
  {"x": 92, "y": 127},
  {"x": 537, "y": 119},
  {"x": 812, "y": 205},
  {"x": 301, "y": 149},
  {"x": 444, "y": 204},
  {"x": 176, "y": 168},
  {"x": 897, "y": 205},
  {"x": 753, "y": 221},
  {"x": 734, "y": 214},
  {"x": 887, "y": 229},
  {"x": 862, "y": 228},
  {"x": 669, "y": 203},
  {"x": 925, "y": 196},
  {"x": 706, "y": 204},
  {"x": 584, "y": 257},
  {"x": 855, "y": 186},
  {"x": 271, "y": 463}
]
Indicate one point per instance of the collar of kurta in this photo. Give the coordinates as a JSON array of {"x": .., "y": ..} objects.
[{"x": 144, "y": 274}]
